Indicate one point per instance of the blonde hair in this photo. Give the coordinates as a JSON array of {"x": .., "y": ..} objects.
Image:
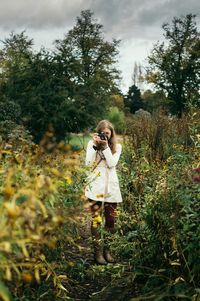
[{"x": 112, "y": 141}]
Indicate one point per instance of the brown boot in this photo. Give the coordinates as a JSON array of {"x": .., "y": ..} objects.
[
  {"x": 99, "y": 258},
  {"x": 98, "y": 253},
  {"x": 106, "y": 252},
  {"x": 108, "y": 257}
]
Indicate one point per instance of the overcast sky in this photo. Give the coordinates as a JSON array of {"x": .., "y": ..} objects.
[{"x": 136, "y": 22}]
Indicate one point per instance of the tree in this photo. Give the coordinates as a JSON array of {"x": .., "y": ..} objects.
[
  {"x": 44, "y": 97},
  {"x": 137, "y": 76},
  {"x": 117, "y": 118},
  {"x": 87, "y": 62},
  {"x": 32, "y": 82},
  {"x": 174, "y": 65},
  {"x": 68, "y": 88},
  {"x": 9, "y": 110},
  {"x": 15, "y": 55},
  {"x": 154, "y": 100},
  {"x": 133, "y": 99}
]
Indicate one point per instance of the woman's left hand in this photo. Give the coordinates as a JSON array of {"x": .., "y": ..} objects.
[
  {"x": 99, "y": 141},
  {"x": 104, "y": 143}
]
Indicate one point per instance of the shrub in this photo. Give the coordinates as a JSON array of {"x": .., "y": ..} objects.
[
  {"x": 117, "y": 118},
  {"x": 9, "y": 110},
  {"x": 40, "y": 198},
  {"x": 159, "y": 222}
]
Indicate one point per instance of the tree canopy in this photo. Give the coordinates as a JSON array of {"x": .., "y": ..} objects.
[
  {"x": 69, "y": 87},
  {"x": 174, "y": 65},
  {"x": 87, "y": 62},
  {"x": 133, "y": 99}
]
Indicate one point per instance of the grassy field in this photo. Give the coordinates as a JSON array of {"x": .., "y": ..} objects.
[{"x": 79, "y": 141}]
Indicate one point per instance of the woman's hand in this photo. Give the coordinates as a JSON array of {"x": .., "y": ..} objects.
[{"x": 97, "y": 141}]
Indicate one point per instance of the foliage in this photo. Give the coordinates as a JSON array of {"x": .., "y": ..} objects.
[
  {"x": 39, "y": 201},
  {"x": 154, "y": 101},
  {"x": 48, "y": 101},
  {"x": 68, "y": 88},
  {"x": 35, "y": 86},
  {"x": 117, "y": 100},
  {"x": 9, "y": 110},
  {"x": 157, "y": 237},
  {"x": 15, "y": 56},
  {"x": 174, "y": 64},
  {"x": 88, "y": 64},
  {"x": 41, "y": 186},
  {"x": 133, "y": 100},
  {"x": 117, "y": 118},
  {"x": 158, "y": 225},
  {"x": 78, "y": 141}
]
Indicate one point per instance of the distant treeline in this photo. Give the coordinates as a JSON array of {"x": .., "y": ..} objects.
[{"x": 77, "y": 83}]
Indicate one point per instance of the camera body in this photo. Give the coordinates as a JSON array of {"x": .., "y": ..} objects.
[{"x": 102, "y": 136}]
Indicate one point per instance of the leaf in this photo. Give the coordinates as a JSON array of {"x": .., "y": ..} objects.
[
  {"x": 175, "y": 263},
  {"x": 8, "y": 274},
  {"x": 161, "y": 270},
  {"x": 21, "y": 199},
  {"x": 179, "y": 279},
  {"x": 24, "y": 250},
  {"x": 62, "y": 287},
  {"x": 37, "y": 275},
  {"x": 4, "y": 292}
]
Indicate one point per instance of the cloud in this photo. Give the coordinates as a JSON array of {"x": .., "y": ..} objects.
[
  {"x": 141, "y": 18},
  {"x": 122, "y": 18},
  {"x": 136, "y": 22},
  {"x": 39, "y": 13}
]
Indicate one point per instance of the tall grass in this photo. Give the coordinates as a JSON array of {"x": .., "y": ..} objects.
[
  {"x": 157, "y": 237},
  {"x": 159, "y": 221},
  {"x": 40, "y": 201}
]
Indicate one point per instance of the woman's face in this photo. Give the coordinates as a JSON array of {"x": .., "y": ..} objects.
[{"x": 107, "y": 132}]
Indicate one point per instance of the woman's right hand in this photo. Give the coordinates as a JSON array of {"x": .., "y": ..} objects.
[
  {"x": 99, "y": 142},
  {"x": 96, "y": 139}
]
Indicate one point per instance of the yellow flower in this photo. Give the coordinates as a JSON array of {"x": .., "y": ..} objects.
[
  {"x": 27, "y": 277},
  {"x": 12, "y": 210},
  {"x": 68, "y": 147},
  {"x": 100, "y": 195},
  {"x": 8, "y": 191},
  {"x": 96, "y": 220},
  {"x": 94, "y": 164},
  {"x": 68, "y": 180},
  {"x": 55, "y": 172}
]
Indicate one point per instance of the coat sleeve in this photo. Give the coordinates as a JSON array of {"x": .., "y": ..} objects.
[
  {"x": 90, "y": 154},
  {"x": 112, "y": 159}
]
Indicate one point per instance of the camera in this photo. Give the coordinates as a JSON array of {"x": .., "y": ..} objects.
[{"x": 102, "y": 136}]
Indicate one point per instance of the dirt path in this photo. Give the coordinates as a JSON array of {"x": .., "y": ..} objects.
[
  {"x": 83, "y": 287},
  {"x": 92, "y": 281}
]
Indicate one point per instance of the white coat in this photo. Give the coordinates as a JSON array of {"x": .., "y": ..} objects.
[{"x": 102, "y": 181}]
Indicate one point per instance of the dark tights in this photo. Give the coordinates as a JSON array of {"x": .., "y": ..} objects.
[{"x": 109, "y": 212}]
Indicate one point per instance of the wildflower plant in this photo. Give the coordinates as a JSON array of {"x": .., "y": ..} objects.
[
  {"x": 39, "y": 200},
  {"x": 159, "y": 221}
]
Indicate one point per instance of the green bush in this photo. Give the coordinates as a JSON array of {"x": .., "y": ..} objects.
[
  {"x": 40, "y": 199},
  {"x": 117, "y": 118},
  {"x": 9, "y": 110},
  {"x": 159, "y": 221}
]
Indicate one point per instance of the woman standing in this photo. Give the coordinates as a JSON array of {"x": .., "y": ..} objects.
[{"x": 103, "y": 190}]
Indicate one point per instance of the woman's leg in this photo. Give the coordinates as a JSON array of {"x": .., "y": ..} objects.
[
  {"x": 110, "y": 215},
  {"x": 96, "y": 209}
]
